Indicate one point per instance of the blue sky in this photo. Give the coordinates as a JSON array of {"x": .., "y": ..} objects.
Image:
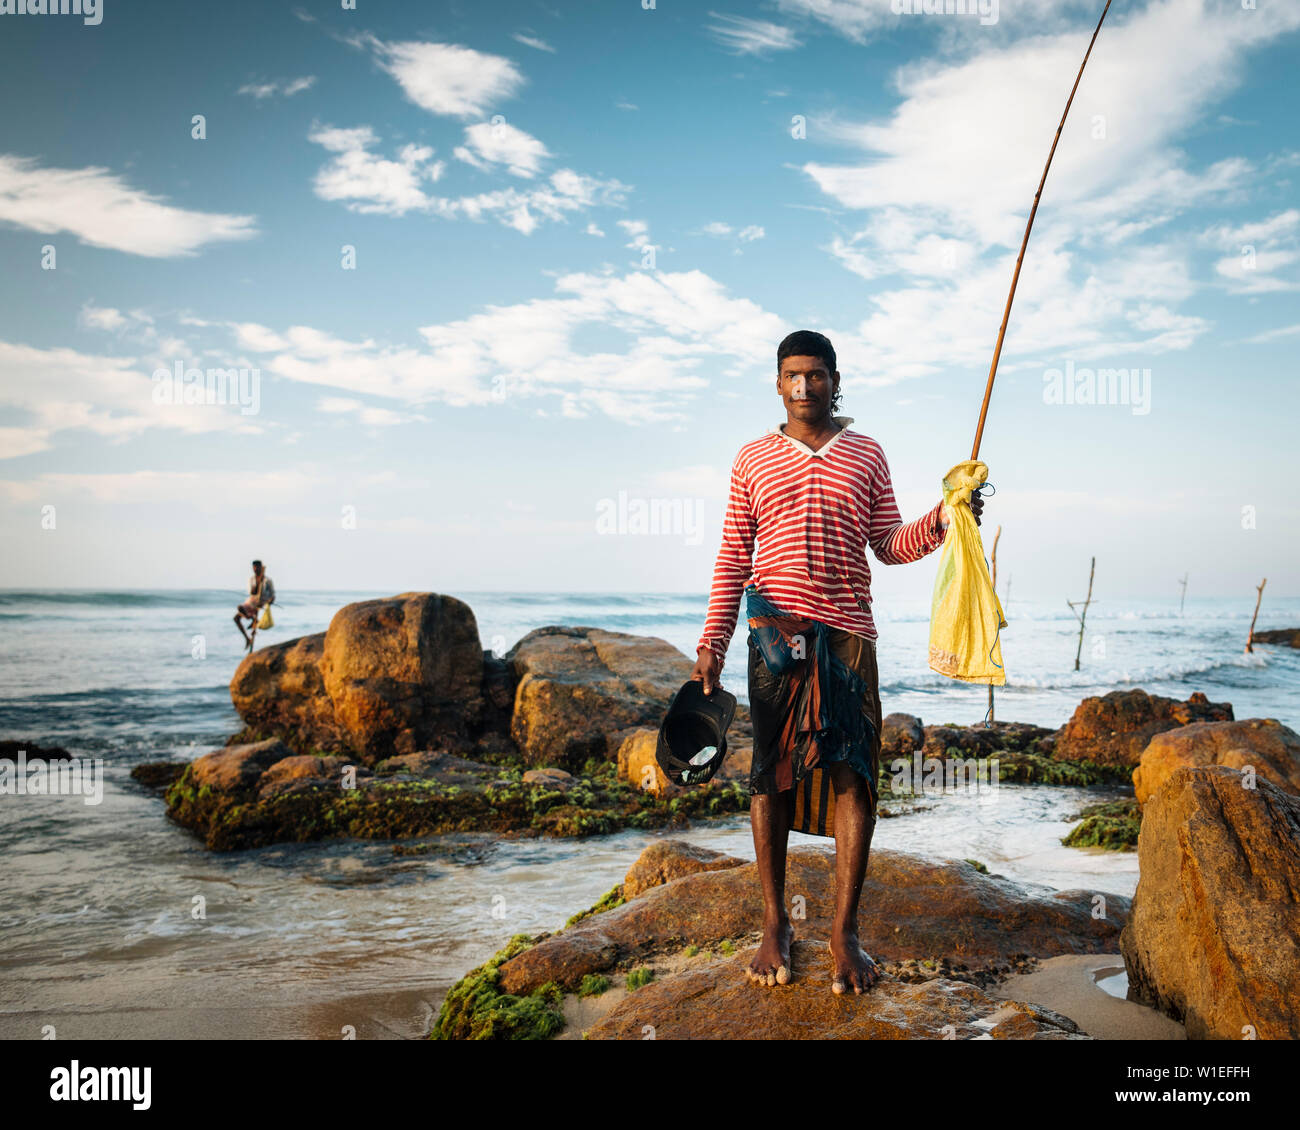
[{"x": 580, "y": 230}]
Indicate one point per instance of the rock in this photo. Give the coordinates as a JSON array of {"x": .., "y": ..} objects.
[
  {"x": 715, "y": 1001},
  {"x": 302, "y": 767},
  {"x": 1114, "y": 729},
  {"x": 581, "y": 690},
  {"x": 238, "y": 767},
  {"x": 639, "y": 767},
  {"x": 1272, "y": 748},
  {"x": 667, "y": 860},
  {"x": 1213, "y": 939},
  {"x": 550, "y": 778},
  {"x": 901, "y": 735},
  {"x": 159, "y": 775},
  {"x": 279, "y": 690},
  {"x": 912, "y": 907},
  {"x": 389, "y": 676},
  {"x": 403, "y": 672},
  {"x": 1288, "y": 637},
  {"x": 437, "y": 765},
  {"x": 981, "y": 741},
  {"x": 10, "y": 750}
]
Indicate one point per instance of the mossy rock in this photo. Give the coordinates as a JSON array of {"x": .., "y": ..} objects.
[
  {"x": 1113, "y": 825},
  {"x": 608, "y": 901},
  {"x": 477, "y": 1009},
  {"x": 405, "y": 808}
]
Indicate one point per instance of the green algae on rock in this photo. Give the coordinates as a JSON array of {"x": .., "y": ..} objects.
[
  {"x": 477, "y": 1008},
  {"x": 460, "y": 796},
  {"x": 1113, "y": 825}
]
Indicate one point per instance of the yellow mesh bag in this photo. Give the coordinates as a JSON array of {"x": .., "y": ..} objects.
[
  {"x": 965, "y": 615},
  {"x": 265, "y": 621}
]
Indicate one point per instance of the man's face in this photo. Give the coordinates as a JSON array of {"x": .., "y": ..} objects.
[
  {"x": 257, "y": 570},
  {"x": 806, "y": 386}
]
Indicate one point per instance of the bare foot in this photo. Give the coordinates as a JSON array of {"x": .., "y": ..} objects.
[
  {"x": 854, "y": 968},
  {"x": 771, "y": 965}
]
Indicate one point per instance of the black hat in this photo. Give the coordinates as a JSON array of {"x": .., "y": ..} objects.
[{"x": 695, "y": 722}]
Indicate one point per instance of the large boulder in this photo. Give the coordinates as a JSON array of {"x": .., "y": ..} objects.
[
  {"x": 1264, "y": 743},
  {"x": 714, "y": 1000},
  {"x": 912, "y": 908},
  {"x": 581, "y": 691},
  {"x": 404, "y": 672},
  {"x": 1114, "y": 729},
  {"x": 389, "y": 676},
  {"x": 667, "y": 860},
  {"x": 279, "y": 690},
  {"x": 1213, "y": 938}
]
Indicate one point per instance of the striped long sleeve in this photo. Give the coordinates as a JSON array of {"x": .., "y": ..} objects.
[{"x": 798, "y": 525}]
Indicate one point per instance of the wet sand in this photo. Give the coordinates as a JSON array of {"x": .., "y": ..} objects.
[{"x": 1068, "y": 985}]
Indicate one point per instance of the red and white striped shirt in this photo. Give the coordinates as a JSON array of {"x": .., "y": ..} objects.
[{"x": 813, "y": 514}]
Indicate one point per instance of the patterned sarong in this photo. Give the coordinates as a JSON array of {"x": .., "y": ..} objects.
[{"x": 814, "y": 701}]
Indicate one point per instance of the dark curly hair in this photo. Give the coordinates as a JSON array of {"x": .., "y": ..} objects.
[{"x": 809, "y": 343}]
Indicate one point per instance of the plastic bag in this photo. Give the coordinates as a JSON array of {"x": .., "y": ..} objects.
[
  {"x": 965, "y": 614},
  {"x": 265, "y": 621}
]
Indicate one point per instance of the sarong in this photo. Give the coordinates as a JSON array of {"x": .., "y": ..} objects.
[{"x": 814, "y": 699}]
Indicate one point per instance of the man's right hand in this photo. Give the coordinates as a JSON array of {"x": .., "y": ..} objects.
[{"x": 708, "y": 667}]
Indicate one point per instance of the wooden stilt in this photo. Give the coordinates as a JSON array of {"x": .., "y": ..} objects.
[
  {"x": 1092, "y": 570},
  {"x": 1259, "y": 595},
  {"x": 993, "y": 557}
]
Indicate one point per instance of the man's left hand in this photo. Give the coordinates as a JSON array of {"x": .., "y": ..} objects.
[{"x": 976, "y": 508}]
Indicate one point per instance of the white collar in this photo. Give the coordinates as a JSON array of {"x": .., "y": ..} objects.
[{"x": 843, "y": 421}]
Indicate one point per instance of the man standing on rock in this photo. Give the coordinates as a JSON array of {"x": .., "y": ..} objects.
[{"x": 814, "y": 495}]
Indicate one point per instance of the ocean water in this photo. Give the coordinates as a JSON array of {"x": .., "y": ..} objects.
[{"x": 99, "y": 910}]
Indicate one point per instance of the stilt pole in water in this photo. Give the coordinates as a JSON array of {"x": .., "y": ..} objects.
[
  {"x": 1085, "y": 604},
  {"x": 994, "y": 579},
  {"x": 1250, "y": 639}
]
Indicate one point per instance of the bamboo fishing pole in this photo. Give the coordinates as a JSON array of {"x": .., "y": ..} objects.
[{"x": 1015, "y": 278}]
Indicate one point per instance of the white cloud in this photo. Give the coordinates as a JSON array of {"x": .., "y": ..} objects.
[
  {"x": 638, "y": 232},
  {"x": 860, "y": 20},
  {"x": 365, "y": 182},
  {"x": 499, "y": 143},
  {"x": 1259, "y": 251},
  {"x": 196, "y": 488},
  {"x": 533, "y": 42},
  {"x": 113, "y": 397},
  {"x": 369, "y": 183},
  {"x": 444, "y": 78},
  {"x": 287, "y": 87},
  {"x": 723, "y": 230},
  {"x": 101, "y": 318},
  {"x": 1274, "y": 335},
  {"x": 367, "y": 415},
  {"x": 669, "y": 335},
  {"x": 948, "y": 178},
  {"x": 744, "y": 36},
  {"x": 102, "y": 210}
]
